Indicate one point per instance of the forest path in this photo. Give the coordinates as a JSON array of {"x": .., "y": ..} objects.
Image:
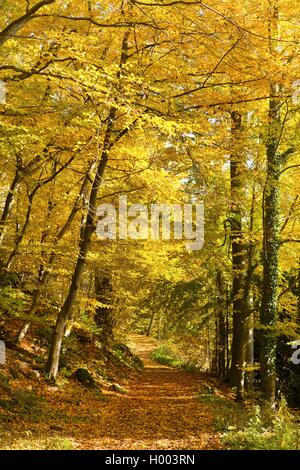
[{"x": 160, "y": 410}]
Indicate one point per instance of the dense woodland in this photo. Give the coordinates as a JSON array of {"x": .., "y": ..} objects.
[{"x": 166, "y": 102}]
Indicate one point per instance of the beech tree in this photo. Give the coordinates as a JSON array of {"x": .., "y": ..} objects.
[{"x": 165, "y": 102}]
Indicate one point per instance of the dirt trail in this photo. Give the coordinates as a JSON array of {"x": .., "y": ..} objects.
[{"x": 160, "y": 411}]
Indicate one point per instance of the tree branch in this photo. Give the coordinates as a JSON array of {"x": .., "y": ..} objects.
[
  {"x": 123, "y": 24},
  {"x": 17, "y": 24},
  {"x": 289, "y": 167}
]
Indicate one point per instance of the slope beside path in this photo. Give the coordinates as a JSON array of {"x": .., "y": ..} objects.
[{"x": 159, "y": 411}]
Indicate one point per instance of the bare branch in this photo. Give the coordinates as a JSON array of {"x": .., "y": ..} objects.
[
  {"x": 123, "y": 24},
  {"x": 289, "y": 167},
  {"x": 290, "y": 213},
  {"x": 17, "y": 24}
]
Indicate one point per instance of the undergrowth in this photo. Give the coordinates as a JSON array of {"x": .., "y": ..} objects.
[
  {"x": 172, "y": 355},
  {"x": 166, "y": 355},
  {"x": 253, "y": 426},
  {"x": 30, "y": 441}
]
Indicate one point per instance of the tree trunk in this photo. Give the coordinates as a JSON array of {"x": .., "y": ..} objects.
[
  {"x": 221, "y": 330},
  {"x": 8, "y": 202},
  {"x": 44, "y": 274},
  {"x": 271, "y": 232},
  {"x": 104, "y": 314},
  {"x": 150, "y": 324},
  {"x": 239, "y": 339},
  {"x": 88, "y": 229},
  {"x": 227, "y": 328},
  {"x": 270, "y": 260},
  {"x": 249, "y": 376},
  {"x": 86, "y": 234},
  {"x": 298, "y": 294},
  {"x": 248, "y": 300}
]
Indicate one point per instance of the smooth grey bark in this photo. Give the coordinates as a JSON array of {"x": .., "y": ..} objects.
[
  {"x": 249, "y": 375},
  {"x": 221, "y": 333},
  {"x": 248, "y": 300}
]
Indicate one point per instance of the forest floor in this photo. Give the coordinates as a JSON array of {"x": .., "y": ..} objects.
[{"x": 160, "y": 410}]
